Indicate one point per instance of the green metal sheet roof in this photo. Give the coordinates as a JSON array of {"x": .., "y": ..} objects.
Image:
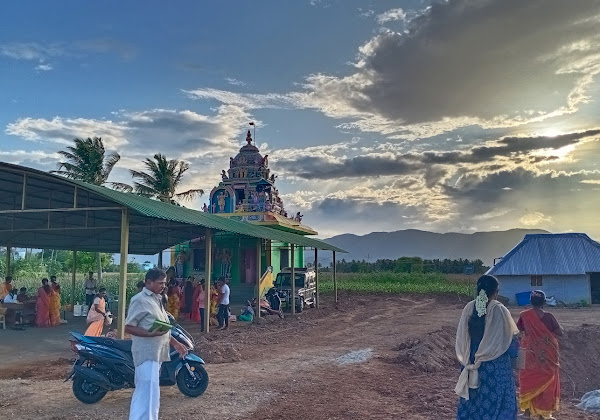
[
  {"x": 27, "y": 228},
  {"x": 166, "y": 211}
]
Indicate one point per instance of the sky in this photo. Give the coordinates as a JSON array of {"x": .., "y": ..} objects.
[{"x": 458, "y": 115}]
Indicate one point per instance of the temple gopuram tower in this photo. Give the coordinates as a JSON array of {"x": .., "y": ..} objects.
[{"x": 247, "y": 192}]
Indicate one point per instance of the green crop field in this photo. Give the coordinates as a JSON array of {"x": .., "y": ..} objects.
[
  {"x": 389, "y": 282},
  {"x": 109, "y": 280}
]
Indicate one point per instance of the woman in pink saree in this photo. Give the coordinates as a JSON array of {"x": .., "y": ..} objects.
[{"x": 42, "y": 307}]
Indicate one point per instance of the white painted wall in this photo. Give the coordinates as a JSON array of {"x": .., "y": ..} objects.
[{"x": 569, "y": 289}]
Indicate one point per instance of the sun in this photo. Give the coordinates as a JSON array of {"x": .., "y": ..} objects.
[{"x": 551, "y": 132}]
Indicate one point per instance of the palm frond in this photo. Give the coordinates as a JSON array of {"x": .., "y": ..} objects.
[
  {"x": 120, "y": 186},
  {"x": 190, "y": 194}
]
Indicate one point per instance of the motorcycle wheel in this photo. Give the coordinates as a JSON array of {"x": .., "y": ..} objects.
[
  {"x": 192, "y": 386},
  {"x": 87, "y": 392}
]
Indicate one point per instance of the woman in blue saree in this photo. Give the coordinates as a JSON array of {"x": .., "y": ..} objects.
[{"x": 485, "y": 343}]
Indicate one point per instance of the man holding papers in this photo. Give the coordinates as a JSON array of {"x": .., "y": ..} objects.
[{"x": 147, "y": 323}]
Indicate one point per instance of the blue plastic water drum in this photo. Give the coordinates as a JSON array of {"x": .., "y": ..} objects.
[{"x": 523, "y": 298}]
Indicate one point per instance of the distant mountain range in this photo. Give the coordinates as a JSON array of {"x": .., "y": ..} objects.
[{"x": 428, "y": 245}]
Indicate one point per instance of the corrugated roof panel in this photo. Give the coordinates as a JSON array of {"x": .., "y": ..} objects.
[
  {"x": 166, "y": 211},
  {"x": 551, "y": 254}
]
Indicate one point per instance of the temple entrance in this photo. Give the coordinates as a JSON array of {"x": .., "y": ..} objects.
[
  {"x": 248, "y": 266},
  {"x": 595, "y": 287}
]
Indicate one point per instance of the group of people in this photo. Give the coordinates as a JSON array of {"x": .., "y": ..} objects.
[
  {"x": 489, "y": 343},
  {"x": 187, "y": 299},
  {"x": 11, "y": 294},
  {"x": 47, "y": 308}
]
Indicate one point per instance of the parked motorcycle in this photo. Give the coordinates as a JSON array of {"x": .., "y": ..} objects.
[
  {"x": 270, "y": 305},
  {"x": 105, "y": 364}
]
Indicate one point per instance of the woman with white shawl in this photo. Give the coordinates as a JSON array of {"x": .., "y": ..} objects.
[{"x": 485, "y": 343}]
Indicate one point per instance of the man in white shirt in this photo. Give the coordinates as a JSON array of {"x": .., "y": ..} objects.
[
  {"x": 223, "y": 314},
  {"x": 149, "y": 348},
  {"x": 91, "y": 286},
  {"x": 11, "y": 297}
]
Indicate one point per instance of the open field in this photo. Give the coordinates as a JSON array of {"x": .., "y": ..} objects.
[
  {"x": 389, "y": 282},
  {"x": 370, "y": 356},
  {"x": 381, "y": 282}
]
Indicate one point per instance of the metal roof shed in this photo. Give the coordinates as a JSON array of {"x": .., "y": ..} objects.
[{"x": 41, "y": 210}]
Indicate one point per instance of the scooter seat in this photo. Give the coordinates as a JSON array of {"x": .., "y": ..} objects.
[{"x": 123, "y": 345}]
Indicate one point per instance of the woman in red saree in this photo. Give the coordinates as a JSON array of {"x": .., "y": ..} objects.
[
  {"x": 195, "y": 303},
  {"x": 539, "y": 382},
  {"x": 187, "y": 296},
  {"x": 42, "y": 307}
]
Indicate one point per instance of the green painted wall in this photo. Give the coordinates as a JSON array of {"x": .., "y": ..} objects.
[{"x": 236, "y": 248}]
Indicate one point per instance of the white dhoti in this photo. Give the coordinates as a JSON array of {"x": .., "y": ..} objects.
[{"x": 145, "y": 402}]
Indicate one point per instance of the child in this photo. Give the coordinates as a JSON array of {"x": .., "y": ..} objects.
[{"x": 248, "y": 313}]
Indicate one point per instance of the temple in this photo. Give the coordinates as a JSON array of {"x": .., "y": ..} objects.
[{"x": 247, "y": 192}]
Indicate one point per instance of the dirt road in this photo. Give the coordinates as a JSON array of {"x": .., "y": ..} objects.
[{"x": 345, "y": 361}]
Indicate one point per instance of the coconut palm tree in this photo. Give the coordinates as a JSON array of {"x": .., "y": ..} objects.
[
  {"x": 88, "y": 161},
  {"x": 162, "y": 179}
]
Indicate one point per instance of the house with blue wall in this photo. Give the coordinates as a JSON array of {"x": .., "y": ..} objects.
[{"x": 566, "y": 266}]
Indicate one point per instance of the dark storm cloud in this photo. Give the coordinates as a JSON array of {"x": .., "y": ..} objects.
[
  {"x": 484, "y": 58},
  {"x": 360, "y": 166},
  {"x": 431, "y": 164}
]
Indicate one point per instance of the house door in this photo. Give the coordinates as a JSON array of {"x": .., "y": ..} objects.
[{"x": 595, "y": 285}]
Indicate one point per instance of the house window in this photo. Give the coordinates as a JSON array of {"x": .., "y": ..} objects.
[{"x": 536, "y": 281}]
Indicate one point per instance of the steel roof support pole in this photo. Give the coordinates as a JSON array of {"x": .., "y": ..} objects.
[
  {"x": 207, "y": 278},
  {"x": 293, "y": 280},
  {"x": 8, "y": 252},
  {"x": 317, "y": 298},
  {"x": 123, "y": 273},
  {"x": 73, "y": 277},
  {"x": 258, "y": 276},
  {"x": 335, "y": 287}
]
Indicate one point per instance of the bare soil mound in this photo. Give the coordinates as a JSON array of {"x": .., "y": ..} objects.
[
  {"x": 432, "y": 353},
  {"x": 580, "y": 361},
  {"x": 579, "y": 349}
]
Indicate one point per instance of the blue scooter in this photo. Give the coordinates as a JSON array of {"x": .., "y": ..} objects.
[{"x": 106, "y": 364}]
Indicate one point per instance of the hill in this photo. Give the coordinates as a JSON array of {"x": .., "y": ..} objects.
[{"x": 429, "y": 245}]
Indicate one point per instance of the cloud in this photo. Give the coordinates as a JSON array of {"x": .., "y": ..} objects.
[
  {"x": 494, "y": 156},
  {"x": 44, "y": 67},
  {"x": 365, "y": 13},
  {"x": 535, "y": 219},
  {"x": 234, "y": 82},
  {"x": 31, "y": 51},
  {"x": 205, "y": 141},
  {"x": 44, "y": 53},
  {"x": 391, "y": 15},
  {"x": 458, "y": 63}
]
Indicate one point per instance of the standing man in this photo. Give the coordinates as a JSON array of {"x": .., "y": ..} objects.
[
  {"x": 223, "y": 314},
  {"x": 91, "y": 286},
  {"x": 149, "y": 349}
]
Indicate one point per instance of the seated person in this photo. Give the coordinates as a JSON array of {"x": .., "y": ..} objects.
[
  {"x": 247, "y": 313},
  {"x": 11, "y": 297},
  {"x": 22, "y": 296}
]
